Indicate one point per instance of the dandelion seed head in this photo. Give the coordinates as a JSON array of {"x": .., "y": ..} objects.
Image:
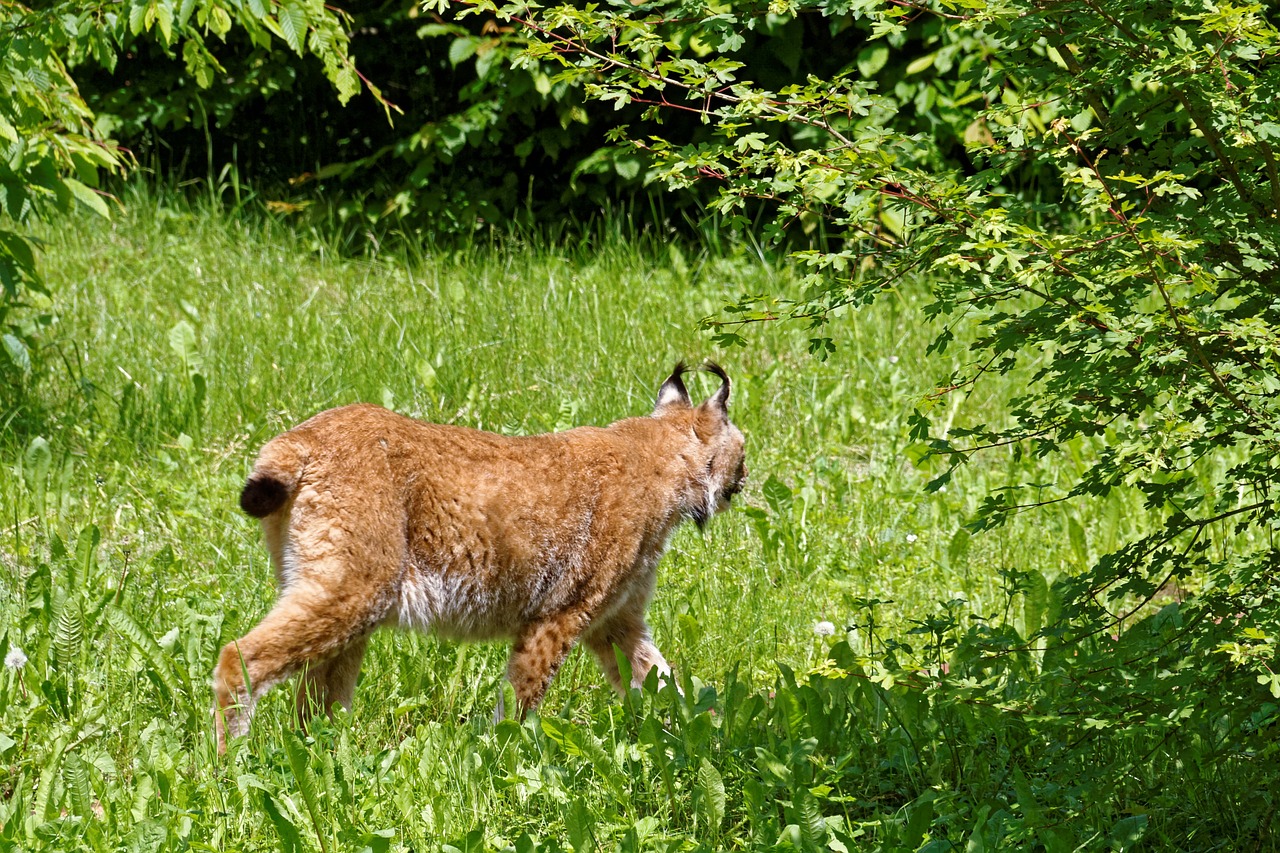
[
  {"x": 16, "y": 659},
  {"x": 824, "y": 629}
]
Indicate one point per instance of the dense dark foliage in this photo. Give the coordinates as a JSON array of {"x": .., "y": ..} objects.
[{"x": 479, "y": 134}]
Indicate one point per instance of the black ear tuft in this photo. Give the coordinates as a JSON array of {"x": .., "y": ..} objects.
[
  {"x": 673, "y": 391},
  {"x": 720, "y": 399}
]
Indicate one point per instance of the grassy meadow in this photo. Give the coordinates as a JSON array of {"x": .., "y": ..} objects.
[{"x": 185, "y": 339}]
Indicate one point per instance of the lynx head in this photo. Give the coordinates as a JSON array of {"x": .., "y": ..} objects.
[{"x": 714, "y": 452}]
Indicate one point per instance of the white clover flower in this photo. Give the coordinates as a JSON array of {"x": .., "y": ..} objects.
[
  {"x": 824, "y": 629},
  {"x": 911, "y": 537},
  {"x": 16, "y": 659}
]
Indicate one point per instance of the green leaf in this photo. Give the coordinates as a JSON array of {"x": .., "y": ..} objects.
[
  {"x": 1128, "y": 832},
  {"x": 1026, "y": 799},
  {"x": 138, "y": 16},
  {"x": 778, "y": 494},
  {"x": 88, "y": 197},
  {"x": 348, "y": 84},
  {"x": 461, "y": 49},
  {"x": 872, "y": 58},
  {"x": 580, "y": 826},
  {"x": 921, "y": 64},
  {"x": 1076, "y": 536},
  {"x": 164, "y": 19},
  {"x": 18, "y": 354},
  {"x": 581, "y": 742},
  {"x": 159, "y": 666},
  {"x": 378, "y": 841},
  {"x": 17, "y": 264},
  {"x": 293, "y": 26},
  {"x": 36, "y": 462},
  {"x": 711, "y": 795},
  {"x": 305, "y": 778},
  {"x": 219, "y": 21},
  {"x": 627, "y": 167},
  {"x": 919, "y": 819},
  {"x": 290, "y": 838},
  {"x": 183, "y": 342}
]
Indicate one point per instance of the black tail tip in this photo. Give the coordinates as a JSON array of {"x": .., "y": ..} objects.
[{"x": 262, "y": 496}]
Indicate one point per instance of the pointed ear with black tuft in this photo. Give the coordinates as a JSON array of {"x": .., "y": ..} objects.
[
  {"x": 719, "y": 400},
  {"x": 673, "y": 392}
]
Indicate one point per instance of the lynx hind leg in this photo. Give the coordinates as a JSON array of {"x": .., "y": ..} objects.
[
  {"x": 331, "y": 682},
  {"x": 306, "y": 626},
  {"x": 539, "y": 650},
  {"x": 630, "y": 634}
]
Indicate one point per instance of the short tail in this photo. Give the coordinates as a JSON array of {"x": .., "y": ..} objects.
[{"x": 274, "y": 479}]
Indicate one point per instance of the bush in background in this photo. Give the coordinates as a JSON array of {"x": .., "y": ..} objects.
[
  {"x": 1110, "y": 233},
  {"x": 481, "y": 134}
]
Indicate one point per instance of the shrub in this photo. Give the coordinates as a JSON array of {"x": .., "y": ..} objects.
[{"x": 1110, "y": 233}]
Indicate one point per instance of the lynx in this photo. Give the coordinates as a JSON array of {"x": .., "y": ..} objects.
[{"x": 373, "y": 519}]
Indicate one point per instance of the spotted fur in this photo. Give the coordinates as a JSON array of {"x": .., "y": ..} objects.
[{"x": 376, "y": 519}]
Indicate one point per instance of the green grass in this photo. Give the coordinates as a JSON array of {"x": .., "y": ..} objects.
[{"x": 184, "y": 340}]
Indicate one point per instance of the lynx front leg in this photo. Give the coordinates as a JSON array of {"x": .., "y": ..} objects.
[
  {"x": 629, "y": 633},
  {"x": 303, "y": 627},
  {"x": 539, "y": 650}
]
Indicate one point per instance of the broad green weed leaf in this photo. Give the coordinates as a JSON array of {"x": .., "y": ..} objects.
[
  {"x": 778, "y": 495},
  {"x": 18, "y": 353},
  {"x": 1128, "y": 831},
  {"x": 1035, "y": 603},
  {"x": 582, "y": 742},
  {"x": 290, "y": 839},
  {"x": 184, "y": 344},
  {"x": 51, "y": 761},
  {"x": 158, "y": 665},
  {"x": 580, "y": 826},
  {"x": 147, "y": 836},
  {"x": 304, "y": 777},
  {"x": 378, "y": 841},
  {"x": 36, "y": 462},
  {"x": 711, "y": 795},
  {"x": 1076, "y": 535},
  {"x": 68, "y": 636}
]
